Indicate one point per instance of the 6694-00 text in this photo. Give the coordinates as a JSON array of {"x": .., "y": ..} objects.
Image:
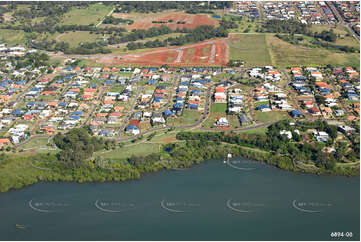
[{"x": 341, "y": 234}]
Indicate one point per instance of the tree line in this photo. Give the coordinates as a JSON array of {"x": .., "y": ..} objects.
[
  {"x": 200, "y": 33},
  {"x": 158, "y": 6},
  {"x": 276, "y": 143}
]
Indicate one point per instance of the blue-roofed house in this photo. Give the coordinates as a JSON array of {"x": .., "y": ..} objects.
[
  {"x": 30, "y": 104},
  {"x": 152, "y": 82},
  {"x": 18, "y": 112},
  {"x": 178, "y": 106},
  {"x": 193, "y": 106},
  {"x": 263, "y": 108},
  {"x": 167, "y": 113},
  {"x": 132, "y": 129},
  {"x": 62, "y": 104},
  {"x": 295, "y": 113},
  {"x": 77, "y": 113},
  {"x": 105, "y": 132},
  {"x": 74, "y": 117}
]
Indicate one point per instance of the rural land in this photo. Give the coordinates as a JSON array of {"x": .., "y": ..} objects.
[{"x": 108, "y": 91}]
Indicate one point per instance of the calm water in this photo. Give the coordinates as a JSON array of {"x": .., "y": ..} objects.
[{"x": 212, "y": 201}]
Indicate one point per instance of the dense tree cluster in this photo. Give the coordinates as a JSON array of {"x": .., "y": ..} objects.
[
  {"x": 86, "y": 48},
  {"x": 200, "y": 33},
  {"x": 322, "y": 39},
  {"x": 285, "y": 26},
  {"x": 77, "y": 146},
  {"x": 112, "y": 20},
  {"x": 34, "y": 60},
  {"x": 326, "y": 35},
  {"x": 45, "y": 9},
  {"x": 157, "y": 6}
]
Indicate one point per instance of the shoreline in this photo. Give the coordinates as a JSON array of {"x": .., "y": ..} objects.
[{"x": 97, "y": 174}]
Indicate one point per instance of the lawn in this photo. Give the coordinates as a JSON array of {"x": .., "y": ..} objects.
[
  {"x": 84, "y": 16},
  {"x": 261, "y": 130},
  {"x": 250, "y": 48},
  {"x": 257, "y": 104},
  {"x": 272, "y": 116},
  {"x": 129, "y": 150},
  {"x": 12, "y": 36},
  {"x": 232, "y": 119},
  {"x": 188, "y": 117},
  {"x": 117, "y": 88},
  {"x": 36, "y": 143},
  {"x": 218, "y": 108}
]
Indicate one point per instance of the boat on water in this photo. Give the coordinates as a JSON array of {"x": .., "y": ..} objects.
[{"x": 229, "y": 155}]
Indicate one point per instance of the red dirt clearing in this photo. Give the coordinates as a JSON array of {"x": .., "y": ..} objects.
[
  {"x": 191, "y": 21},
  {"x": 188, "y": 55},
  {"x": 169, "y": 140}
]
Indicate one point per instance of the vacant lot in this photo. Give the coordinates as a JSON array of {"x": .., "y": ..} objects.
[
  {"x": 12, "y": 36},
  {"x": 343, "y": 38},
  {"x": 188, "y": 55},
  {"x": 218, "y": 107},
  {"x": 84, "y": 16},
  {"x": 285, "y": 54},
  {"x": 172, "y": 19},
  {"x": 129, "y": 150},
  {"x": 188, "y": 117},
  {"x": 265, "y": 117},
  {"x": 251, "y": 48}
]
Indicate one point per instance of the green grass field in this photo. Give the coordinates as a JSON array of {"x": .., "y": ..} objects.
[
  {"x": 218, "y": 107},
  {"x": 285, "y": 54},
  {"x": 75, "y": 38},
  {"x": 12, "y": 36},
  {"x": 129, "y": 150},
  {"x": 36, "y": 143},
  {"x": 272, "y": 116},
  {"x": 84, "y": 16},
  {"x": 251, "y": 48},
  {"x": 188, "y": 117},
  {"x": 261, "y": 130}
]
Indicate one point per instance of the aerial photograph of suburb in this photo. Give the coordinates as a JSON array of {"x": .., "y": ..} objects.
[{"x": 180, "y": 120}]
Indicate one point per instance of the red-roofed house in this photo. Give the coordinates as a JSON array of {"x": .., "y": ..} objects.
[
  {"x": 134, "y": 122},
  {"x": 315, "y": 111},
  {"x": 4, "y": 142}
]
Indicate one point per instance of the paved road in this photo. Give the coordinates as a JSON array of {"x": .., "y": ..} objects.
[
  {"x": 100, "y": 95},
  {"x": 29, "y": 86},
  {"x": 203, "y": 117},
  {"x": 170, "y": 96},
  {"x": 340, "y": 99},
  {"x": 125, "y": 121},
  {"x": 110, "y": 13},
  {"x": 61, "y": 95},
  {"x": 341, "y": 20},
  {"x": 294, "y": 99},
  {"x": 249, "y": 102}
]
